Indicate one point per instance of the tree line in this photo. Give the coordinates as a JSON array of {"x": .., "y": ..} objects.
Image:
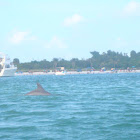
[{"x": 109, "y": 59}]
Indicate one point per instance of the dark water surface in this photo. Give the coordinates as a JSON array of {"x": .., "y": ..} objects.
[{"x": 82, "y": 107}]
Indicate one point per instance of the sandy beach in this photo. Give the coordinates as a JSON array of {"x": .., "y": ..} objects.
[{"x": 75, "y": 72}]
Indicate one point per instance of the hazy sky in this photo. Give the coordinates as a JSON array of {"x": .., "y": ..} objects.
[{"x": 44, "y": 29}]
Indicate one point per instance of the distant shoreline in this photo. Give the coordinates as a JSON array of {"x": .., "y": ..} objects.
[{"x": 75, "y": 72}]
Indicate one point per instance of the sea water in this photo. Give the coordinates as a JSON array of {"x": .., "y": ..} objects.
[{"x": 81, "y": 107}]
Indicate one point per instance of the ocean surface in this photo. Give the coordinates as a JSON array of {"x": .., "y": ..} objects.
[{"x": 81, "y": 107}]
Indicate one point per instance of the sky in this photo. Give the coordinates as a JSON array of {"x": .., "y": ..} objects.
[{"x": 46, "y": 29}]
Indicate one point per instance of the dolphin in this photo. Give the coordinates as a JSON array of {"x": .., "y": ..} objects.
[{"x": 39, "y": 91}]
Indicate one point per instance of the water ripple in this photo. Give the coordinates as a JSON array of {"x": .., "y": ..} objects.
[{"x": 100, "y": 107}]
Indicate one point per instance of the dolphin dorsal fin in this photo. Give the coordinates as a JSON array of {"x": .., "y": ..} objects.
[{"x": 39, "y": 87}]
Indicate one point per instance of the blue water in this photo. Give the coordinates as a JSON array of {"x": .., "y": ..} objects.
[{"x": 81, "y": 107}]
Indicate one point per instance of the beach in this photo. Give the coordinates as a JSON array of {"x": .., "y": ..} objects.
[{"x": 75, "y": 72}]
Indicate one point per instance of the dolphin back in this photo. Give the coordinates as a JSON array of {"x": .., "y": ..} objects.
[{"x": 39, "y": 91}]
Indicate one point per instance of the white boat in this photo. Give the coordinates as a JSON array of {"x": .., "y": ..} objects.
[
  {"x": 6, "y": 67},
  {"x": 60, "y": 73}
]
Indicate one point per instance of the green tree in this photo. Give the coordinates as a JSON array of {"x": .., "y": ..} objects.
[{"x": 16, "y": 61}]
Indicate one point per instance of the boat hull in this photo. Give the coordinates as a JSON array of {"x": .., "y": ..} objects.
[
  {"x": 60, "y": 73},
  {"x": 7, "y": 72}
]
